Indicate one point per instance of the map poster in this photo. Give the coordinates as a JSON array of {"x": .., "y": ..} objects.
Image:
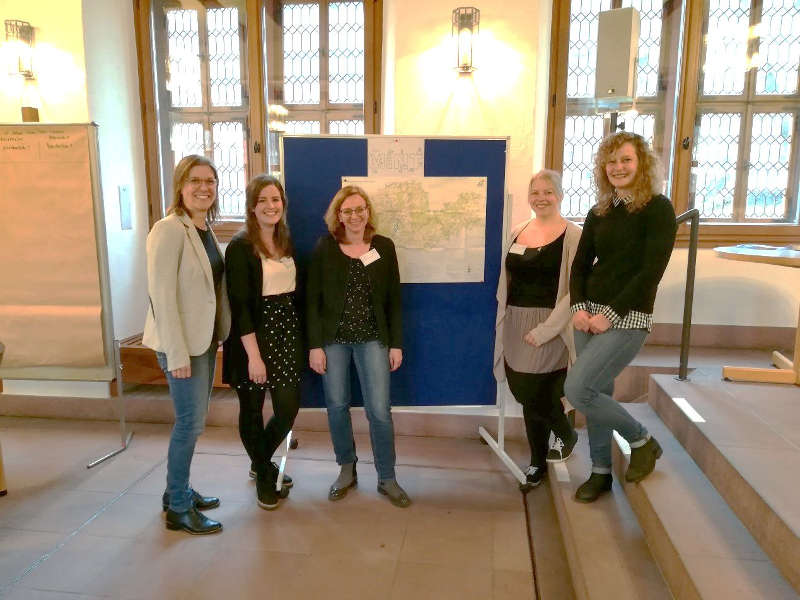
[{"x": 438, "y": 224}]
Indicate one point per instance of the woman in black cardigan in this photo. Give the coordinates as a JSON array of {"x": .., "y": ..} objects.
[
  {"x": 354, "y": 316},
  {"x": 624, "y": 249},
  {"x": 264, "y": 349}
]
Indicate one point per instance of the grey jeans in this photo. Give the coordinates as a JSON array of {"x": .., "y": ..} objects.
[{"x": 590, "y": 385}]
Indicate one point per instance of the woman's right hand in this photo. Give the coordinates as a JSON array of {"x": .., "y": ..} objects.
[
  {"x": 581, "y": 320},
  {"x": 182, "y": 372},
  {"x": 257, "y": 370},
  {"x": 317, "y": 360}
]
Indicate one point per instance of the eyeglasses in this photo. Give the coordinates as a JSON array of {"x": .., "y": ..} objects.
[
  {"x": 358, "y": 211},
  {"x": 197, "y": 182}
]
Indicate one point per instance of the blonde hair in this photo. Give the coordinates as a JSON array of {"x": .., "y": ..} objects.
[
  {"x": 336, "y": 227},
  {"x": 648, "y": 181},
  {"x": 181, "y": 176},
  {"x": 554, "y": 177}
]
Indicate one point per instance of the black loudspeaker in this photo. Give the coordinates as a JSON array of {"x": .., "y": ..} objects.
[{"x": 617, "y": 50}]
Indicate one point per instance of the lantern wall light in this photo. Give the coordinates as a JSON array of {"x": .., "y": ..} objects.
[
  {"x": 19, "y": 38},
  {"x": 466, "y": 21}
]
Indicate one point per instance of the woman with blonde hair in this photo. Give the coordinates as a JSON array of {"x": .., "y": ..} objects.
[
  {"x": 264, "y": 350},
  {"x": 187, "y": 319},
  {"x": 354, "y": 315},
  {"x": 624, "y": 249},
  {"x": 533, "y": 340}
]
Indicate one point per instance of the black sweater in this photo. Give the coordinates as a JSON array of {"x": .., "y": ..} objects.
[
  {"x": 632, "y": 252},
  {"x": 325, "y": 291}
]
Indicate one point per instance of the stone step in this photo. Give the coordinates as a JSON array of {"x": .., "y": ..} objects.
[
  {"x": 701, "y": 547},
  {"x": 746, "y": 439},
  {"x": 606, "y": 550}
]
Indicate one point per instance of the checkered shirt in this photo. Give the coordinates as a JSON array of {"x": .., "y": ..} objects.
[{"x": 633, "y": 320}]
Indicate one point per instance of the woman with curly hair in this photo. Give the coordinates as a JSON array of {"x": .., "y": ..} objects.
[{"x": 624, "y": 249}]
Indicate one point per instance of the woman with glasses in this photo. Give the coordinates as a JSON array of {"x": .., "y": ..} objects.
[
  {"x": 264, "y": 349},
  {"x": 624, "y": 249},
  {"x": 187, "y": 319},
  {"x": 353, "y": 314},
  {"x": 533, "y": 341}
]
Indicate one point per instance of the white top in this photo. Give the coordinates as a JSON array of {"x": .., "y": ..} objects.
[{"x": 279, "y": 276}]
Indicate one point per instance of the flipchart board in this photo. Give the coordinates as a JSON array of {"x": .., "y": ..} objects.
[
  {"x": 55, "y": 303},
  {"x": 448, "y": 328}
]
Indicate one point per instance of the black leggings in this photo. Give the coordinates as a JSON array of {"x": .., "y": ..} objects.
[
  {"x": 260, "y": 441},
  {"x": 540, "y": 396}
]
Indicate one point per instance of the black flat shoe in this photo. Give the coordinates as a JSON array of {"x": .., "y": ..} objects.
[
  {"x": 192, "y": 521},
  {"x": 199, "y": 502},
  {"x": 287, "y": 481},
  {"x": 337, "y": 493},
  {"x": 594, "y": 487},
  {"x": 643, "y": 460}
]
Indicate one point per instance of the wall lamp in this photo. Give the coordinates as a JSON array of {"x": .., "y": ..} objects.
[
  {"x": 19, "y": 37},
  {"x": 466, "y": 21}
]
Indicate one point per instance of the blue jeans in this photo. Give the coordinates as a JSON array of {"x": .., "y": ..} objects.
[
  {"x": 372, "y": 366},
  {"x": 590, "y": 385},
  {"x": 190, "y": 397}
]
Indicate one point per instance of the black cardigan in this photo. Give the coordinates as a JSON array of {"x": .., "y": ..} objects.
[
  {"x": 632, "y": 252},
  {"x": 244, "y": 278},
  {"x": 325, "y": 292}
]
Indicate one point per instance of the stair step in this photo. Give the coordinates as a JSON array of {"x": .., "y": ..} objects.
[
  {"x": 701, "y": 547},
  {"x": 748, "y": 446},
  {"x": 606, "y": 549}
]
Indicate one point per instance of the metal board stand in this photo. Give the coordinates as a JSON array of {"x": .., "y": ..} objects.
[
  {"x": 124, "y": 435},
  {"x": 498, "y": 446}
]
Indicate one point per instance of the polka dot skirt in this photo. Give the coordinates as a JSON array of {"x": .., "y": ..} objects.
[{"x": 283, "y": 354}]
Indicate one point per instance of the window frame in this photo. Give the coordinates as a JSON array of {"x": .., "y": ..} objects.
[
  {"x": 257, "y": 94},
  {"x": 687, "y": 109}
]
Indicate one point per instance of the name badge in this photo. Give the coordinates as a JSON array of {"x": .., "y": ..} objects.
[
  {"x": 370, "y": 257},
  {"x": 517, "y": 249}
]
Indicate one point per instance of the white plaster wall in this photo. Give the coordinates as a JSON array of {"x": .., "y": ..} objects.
[
  {"x": 58, "y": 62},
  {"x": 113, "y": 98},
  {"x": 502, "y": 98}
]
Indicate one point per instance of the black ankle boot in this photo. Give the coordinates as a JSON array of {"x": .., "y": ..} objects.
[
  {"x": 594, "y": 487},
  {"x": 643, "y": 460},
  {"x": 192, "y": 521},
  {"x": 199, "y": 501}
]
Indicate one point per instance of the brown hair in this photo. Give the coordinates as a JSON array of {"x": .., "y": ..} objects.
[
  {"x": 179, "y": 179},
  {"x": 648, "y": 182},
  {"x": 336, "y": 227},
  {"x": 554, "y": 177},
  {"x": 280, "y": 234}
]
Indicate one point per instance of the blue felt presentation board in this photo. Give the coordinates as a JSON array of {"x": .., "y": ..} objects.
[{"x": 448, "y": 328}]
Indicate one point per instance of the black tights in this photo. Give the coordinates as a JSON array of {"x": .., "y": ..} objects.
[
  {"x": 540, "y": 396},
  {"x": 260, "y": 441}
]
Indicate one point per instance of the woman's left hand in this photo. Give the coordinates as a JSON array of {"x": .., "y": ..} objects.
[
  {"x": 395, "y": 358},
  {"x": 529, "y": 339},
  {"x": 599, "y": 324}
]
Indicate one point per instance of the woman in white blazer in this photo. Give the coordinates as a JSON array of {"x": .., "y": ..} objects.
[
  {"x": 533, "y": 340},
  {"x": 187, "y": 319}
]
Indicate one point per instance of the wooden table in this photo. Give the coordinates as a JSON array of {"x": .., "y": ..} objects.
[{"x": 788, "y": 371}]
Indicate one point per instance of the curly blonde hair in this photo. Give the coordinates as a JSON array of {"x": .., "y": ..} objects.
[
  {"x": 649, "y": 179},
  {"x": 332, "y": 214}
]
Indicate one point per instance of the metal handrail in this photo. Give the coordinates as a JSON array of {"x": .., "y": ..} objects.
[{"x": 692, "y": 215}]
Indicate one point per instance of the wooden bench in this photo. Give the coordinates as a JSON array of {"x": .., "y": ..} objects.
[{"x": 139, "y": 363}]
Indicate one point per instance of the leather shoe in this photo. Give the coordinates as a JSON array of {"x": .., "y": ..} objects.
[
  {"x": 192, "y": 521},
  {"x": 643, "y": 460},
  {"x": 594, "y": 487},
  {"x": 337, "y": 493},
  {"x": 198, "y": 501}
]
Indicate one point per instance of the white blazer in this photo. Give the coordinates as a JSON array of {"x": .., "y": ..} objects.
[{"x": 185, "y": 311}]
